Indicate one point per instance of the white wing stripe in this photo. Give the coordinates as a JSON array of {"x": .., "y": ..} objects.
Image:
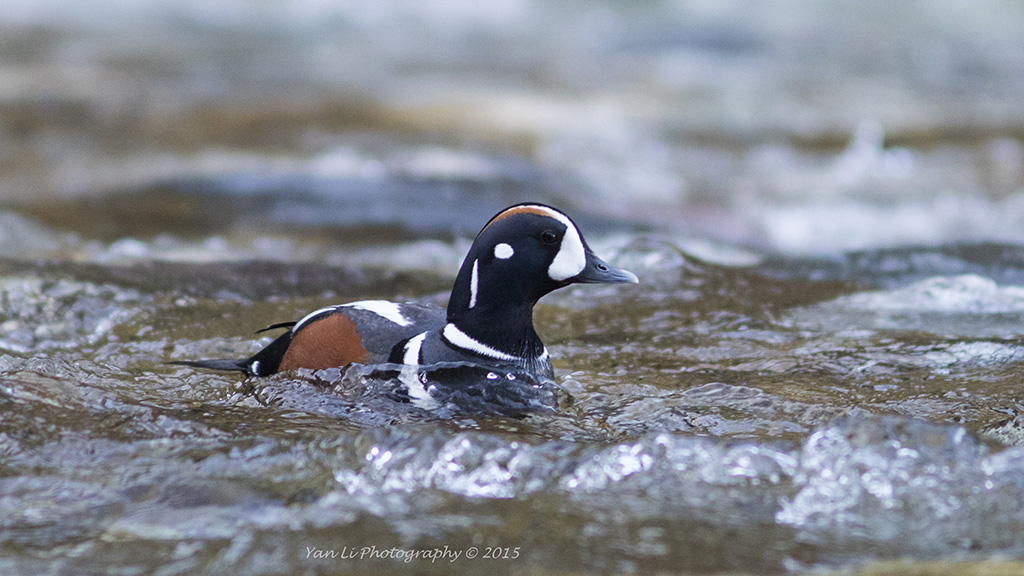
[
  {"x": 312, "y": 315},
  {"x": 389, "y": 310}
]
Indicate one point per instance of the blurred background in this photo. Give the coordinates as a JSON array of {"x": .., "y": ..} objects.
[
  {"x": 832, "y": 384},
  {"x": 293, "y": 129}
]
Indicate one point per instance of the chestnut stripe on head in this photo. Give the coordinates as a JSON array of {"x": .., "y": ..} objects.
[{"x": 522, "y": 209}]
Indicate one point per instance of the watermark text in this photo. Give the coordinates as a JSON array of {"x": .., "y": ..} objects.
[{"x": 443, "y": 554}]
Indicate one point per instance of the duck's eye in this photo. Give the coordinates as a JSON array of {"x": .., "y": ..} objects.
[{"x": 548, "y": 237}]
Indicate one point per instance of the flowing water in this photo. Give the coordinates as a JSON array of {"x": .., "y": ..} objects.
[{"x": 818, "y": 372}]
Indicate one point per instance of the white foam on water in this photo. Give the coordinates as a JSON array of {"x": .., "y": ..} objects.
[
  {"x": 967, "y": 305},
  {"x": 966, "y": 293}
]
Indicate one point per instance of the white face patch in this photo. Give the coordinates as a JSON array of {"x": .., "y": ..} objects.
[
  {"x": 382, "y": 308},
  {"x": 503, "y": 251},
  {"x": 474, "y": 284},
  {"x": 571, "y": 258}
]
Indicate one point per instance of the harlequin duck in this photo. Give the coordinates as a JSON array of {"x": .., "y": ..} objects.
[{"x": 521, "y": 254}]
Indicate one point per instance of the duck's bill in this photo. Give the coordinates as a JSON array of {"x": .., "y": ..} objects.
[{"x": 598, "y": 271}]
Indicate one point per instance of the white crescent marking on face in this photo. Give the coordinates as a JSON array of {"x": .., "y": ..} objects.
[
  {"x": 571, "y": 258},
  {"x": 503, "y": 251},
  {"x": 474, "y": 283}
]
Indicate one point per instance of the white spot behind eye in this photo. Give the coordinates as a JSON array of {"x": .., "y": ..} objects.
[{"x": 503, "y": 251}]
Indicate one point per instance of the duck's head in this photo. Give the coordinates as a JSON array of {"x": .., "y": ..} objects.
[{"x": 523, "y": 253}]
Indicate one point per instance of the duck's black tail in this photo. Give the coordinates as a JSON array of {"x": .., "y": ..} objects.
[
  {"x": 219, "y": 364},
  {"x": 263, "y": 363}
]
